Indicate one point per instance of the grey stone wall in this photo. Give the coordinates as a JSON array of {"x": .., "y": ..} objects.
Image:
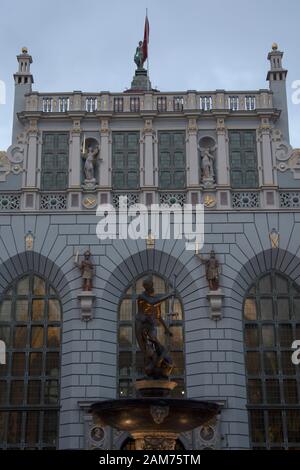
[{"x": 214, "y": 350}]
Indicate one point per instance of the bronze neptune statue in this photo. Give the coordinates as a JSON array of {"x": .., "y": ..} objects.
[{"x": 157, "y": 363}]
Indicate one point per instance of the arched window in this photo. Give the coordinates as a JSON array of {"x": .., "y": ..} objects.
[
  {"x": 30, "y": 325},
  {"x": 271, "y": 324},
  {"x": 130, "y": 357}
]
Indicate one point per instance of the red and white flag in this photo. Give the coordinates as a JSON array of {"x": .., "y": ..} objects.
[{"x": 146, "y": 39}]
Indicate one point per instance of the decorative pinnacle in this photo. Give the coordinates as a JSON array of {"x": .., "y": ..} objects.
[
  {"x": 274, "y": 46},
  {"x": 24, "y": 50}
]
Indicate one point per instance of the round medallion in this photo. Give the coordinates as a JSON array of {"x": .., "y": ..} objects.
[
  {"x": 97, "y": 434},
  {"x": 207, "y": 433},
  {"x": 209, "y": 201},
  {"x": 89, "y": 202}
]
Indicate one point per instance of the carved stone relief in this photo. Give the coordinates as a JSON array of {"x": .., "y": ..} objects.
[
  {"x": 208, "y": 436},
  {"x": 287, "y": 158},
  {"x": 11, "y": 161},
  {"x": 4, "y": 166}
]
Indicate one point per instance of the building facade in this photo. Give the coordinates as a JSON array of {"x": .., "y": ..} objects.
[{"x": 65, "y": 348}]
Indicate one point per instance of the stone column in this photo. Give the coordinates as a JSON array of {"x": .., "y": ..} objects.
[
  {"x": 104, "y": 176},
  {"x": 192, "y": 162},
  {"x": 222, "y": 163},
  {"x": 75, "y": 156},
  {"x": 31, "y": 166},
  {"x": 148, "y": 156},
  {"x": 267, "y": 164}
]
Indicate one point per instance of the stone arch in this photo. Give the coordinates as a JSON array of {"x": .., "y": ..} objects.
[
  {"x": 162, "y": 263},
  {"x": 278, "y": 259},
  {"x": 30, "y": 261}
]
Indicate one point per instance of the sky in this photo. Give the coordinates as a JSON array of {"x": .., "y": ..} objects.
[{"x": 194, "y": 44}]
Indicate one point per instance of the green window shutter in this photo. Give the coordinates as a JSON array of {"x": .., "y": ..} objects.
[
  {"x": 172, "y": 159},
  {"x": 125, "y": 160},
  {"x": 243, "y": 159},
  {"x": 55, "y": 161}
]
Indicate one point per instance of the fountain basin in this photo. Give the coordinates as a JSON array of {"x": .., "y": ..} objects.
[{"x": 154, "y": 415}]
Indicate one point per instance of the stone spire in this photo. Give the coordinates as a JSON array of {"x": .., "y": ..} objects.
[
  {"x": 23, "y": 85},
  {"x": 277, "y": 84},
  {"x": 23, "y": 75}
]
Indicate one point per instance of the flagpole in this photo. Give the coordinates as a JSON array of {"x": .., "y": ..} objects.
[{"x": 148, "y": 81}]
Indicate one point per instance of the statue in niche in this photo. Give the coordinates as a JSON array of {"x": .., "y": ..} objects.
[
  {"x": 207, "y": 166},
  {"x": 212, "y": 269},
  {"x": 157, "y": 363},
  {"x": 87, "y": 270},
  {"x": 90, "y": 163}
]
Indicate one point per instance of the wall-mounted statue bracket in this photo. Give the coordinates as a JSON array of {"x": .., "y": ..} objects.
[
  {"x": 87, "y": 300},
  {"x": 215, "y": 294},
  {"x": 215, "y": 298}
]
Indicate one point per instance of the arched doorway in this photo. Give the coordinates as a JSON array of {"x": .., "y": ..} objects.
[
  {"x": 30, "y": 325},
  {"x": 130, "y": 361},
  {"x": 271, "y": 323}
]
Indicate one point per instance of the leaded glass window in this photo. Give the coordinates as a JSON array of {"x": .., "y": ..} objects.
[
  {"x": 126, "y": 160},
  {"x": 243, "y": 159},
  {"x": 172, "y": 159},
  {"x": 30, "y": 325},
  {"x": 130, "y": 365},
  {"x": 55, "y": 161},
  {"x": 271, "y": 324}
]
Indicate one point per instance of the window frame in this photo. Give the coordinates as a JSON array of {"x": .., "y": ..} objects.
[
  {"x": 55, "y": 171},
  {"x": 243, "y": 167},
  {"x": 127, "y": 171},
  {"x": 264, "y": 407},
  {"x": 25, "y": 409},
  {"x": 171, "y": 169}
]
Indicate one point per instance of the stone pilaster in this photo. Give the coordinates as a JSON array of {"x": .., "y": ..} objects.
[
  {"x": 266, "y": 151},
  {"x": 148, "y": 155},
  {"x": 75, "y": 156},
  {"x": 192, "y": 162},
  {"x": 104, "y": 176},
  {"x": 222, "y": 164},
  {"x": 31, "y": 166}
]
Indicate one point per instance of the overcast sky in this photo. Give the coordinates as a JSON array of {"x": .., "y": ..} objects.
[{"x": 194, "y": 44}]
